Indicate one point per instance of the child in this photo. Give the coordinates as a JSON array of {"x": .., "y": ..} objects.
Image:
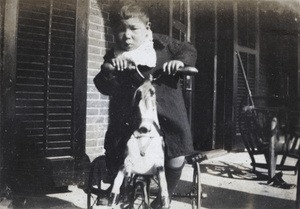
[{"x": 156, "y": 55}]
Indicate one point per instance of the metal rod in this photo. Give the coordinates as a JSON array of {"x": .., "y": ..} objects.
[
  {"x": 245, "y": 78},
  {"x": 215, "y": 78}
]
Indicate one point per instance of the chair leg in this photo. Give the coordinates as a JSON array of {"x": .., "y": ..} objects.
[
  {"x": 286, "y": 151},
  {"x": 272, "y": 158},
  {"x": 298, "y": 191},
  {"x": 272, "y": 154},
  {"x": 291, "y": 149}
]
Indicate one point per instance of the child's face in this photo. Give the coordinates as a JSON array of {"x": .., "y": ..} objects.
[{"x": 131, "y": 33}]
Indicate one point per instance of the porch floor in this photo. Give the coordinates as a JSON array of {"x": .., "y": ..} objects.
[{"x": 227, "y": 180}]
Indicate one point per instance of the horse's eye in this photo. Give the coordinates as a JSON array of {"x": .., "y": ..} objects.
[{"x": 152, "y": 92}]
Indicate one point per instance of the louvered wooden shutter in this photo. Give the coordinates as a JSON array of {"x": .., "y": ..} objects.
[{"x": 45, "y": 73}]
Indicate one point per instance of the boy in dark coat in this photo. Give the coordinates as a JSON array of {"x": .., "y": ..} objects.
[{"x": 161, "y": 57}]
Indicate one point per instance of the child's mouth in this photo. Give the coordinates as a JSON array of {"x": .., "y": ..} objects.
[{"x": 128, "y": 44}]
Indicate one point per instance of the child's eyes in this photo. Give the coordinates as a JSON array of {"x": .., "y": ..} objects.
[
  {"x": 122, "y": 28},
  {"x": 134, "y": 28}
]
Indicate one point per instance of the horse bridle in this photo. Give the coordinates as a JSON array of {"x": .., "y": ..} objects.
[
  {"x": 151, "y": 78},
  {"x": 145, "y": 147},
  {"x": 157, "y": 127}
]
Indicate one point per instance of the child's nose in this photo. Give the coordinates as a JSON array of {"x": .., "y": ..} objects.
[{"x": 127, "y": 33}]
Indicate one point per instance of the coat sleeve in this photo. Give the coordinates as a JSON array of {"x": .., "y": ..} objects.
[
  {"x": 183, "y": 51},
  {"x": 106, "y": 83}
]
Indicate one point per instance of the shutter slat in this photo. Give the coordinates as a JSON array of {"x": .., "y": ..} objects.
[{"x": 32, "y": 44}]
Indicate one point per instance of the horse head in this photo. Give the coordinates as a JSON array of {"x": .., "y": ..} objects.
[{"x": 145, "y": 106}]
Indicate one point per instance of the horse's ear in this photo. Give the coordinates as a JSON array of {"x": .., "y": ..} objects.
[
  {"x": 138, "y": 95},
  {"x": 150, "y": 77}
]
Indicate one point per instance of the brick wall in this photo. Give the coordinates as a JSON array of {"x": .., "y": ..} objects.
[{"x": 100, "y": 39}]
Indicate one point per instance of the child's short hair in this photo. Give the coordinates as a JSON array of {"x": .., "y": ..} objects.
[{"x": 125, "y": 9}]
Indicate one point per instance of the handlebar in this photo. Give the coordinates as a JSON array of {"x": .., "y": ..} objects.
[{"x": 188, "y": 70}]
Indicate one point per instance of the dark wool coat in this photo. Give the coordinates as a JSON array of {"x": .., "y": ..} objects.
[{"x": 171, "y": 108}]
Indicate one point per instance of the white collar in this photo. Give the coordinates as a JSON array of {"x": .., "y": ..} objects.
[{"x": 143, "y": 55}]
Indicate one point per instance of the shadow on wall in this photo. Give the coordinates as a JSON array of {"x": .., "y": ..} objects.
[
  {"x": 28, "y": 174},
  {"x": 26, "y": 171}
]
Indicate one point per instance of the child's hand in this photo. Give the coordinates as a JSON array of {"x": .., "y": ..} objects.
[
  {"x": 172, "y": 67},
  {"x": 121, "y": 63}
]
